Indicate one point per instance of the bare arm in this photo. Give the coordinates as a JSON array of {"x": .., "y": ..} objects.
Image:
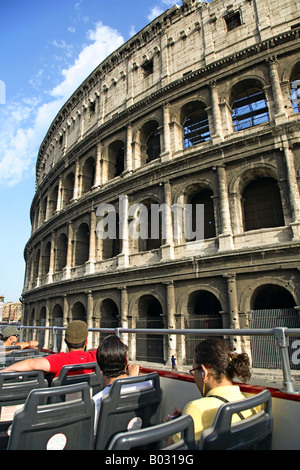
[
  {"x": 39, "y": 363},
  {"x": 28, "y": 344}
]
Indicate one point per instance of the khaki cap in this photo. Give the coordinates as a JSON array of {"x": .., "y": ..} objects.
[{"x": 76, "y": 332}]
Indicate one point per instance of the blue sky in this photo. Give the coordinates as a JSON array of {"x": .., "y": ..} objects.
[{"x": 47, "y": 48}]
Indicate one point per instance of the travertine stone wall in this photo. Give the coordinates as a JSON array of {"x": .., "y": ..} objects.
[{"x": 195, "y": 56}]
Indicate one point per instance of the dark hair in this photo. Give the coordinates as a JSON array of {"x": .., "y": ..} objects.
[
  {"x": 112, "y": 356},
  {"x": 216, "y": 354},
  {"x": 75, "y": 345}
]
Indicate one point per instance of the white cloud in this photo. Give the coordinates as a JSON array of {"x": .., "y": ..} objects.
[
  {"x": 155, "y": 12},
  {"x": 24, "y": 123}
]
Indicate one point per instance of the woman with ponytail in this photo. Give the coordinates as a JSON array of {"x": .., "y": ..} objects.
[{"x": 214, "y": 368}]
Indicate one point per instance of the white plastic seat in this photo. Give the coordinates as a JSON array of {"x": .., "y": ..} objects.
[{"x": 156, "y": 434}]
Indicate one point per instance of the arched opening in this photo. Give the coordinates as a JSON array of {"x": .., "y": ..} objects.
[
  {"x": 150, "y": 142},
  {"x": 88, "y": 175},
  {"x": 149, "y": 347},
  {"x": 262, "y": 204},
  {"x": 68, "y": 189},
  {"x": 272, "y": 307},
  {"x": 249, "y": 105},
  {"x": 295, "y": 88},
  {"x": 150, "y": 226},
  {"x": 36, "y": 264},
  {"x": 46, "y": 259},
  {"x": 41, "y": 333},
  {"x": 116, "y": 159},
  {"x": 195, "y": 124},
  {"x": 82, "y": 245},
  {"x": 57, "y": 320},
  {"x": 61, "y": 252},
  {"x": 203, "y": 313},
  {"x": 112, "y": 247},
  {"x": 53, "y": 201},
  {"x": 109, "y": 316},
  {"x": 204, "y": 198},
  {"x": 79, "y": 312}
]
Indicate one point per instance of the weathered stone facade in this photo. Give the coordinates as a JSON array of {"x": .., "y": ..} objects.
[{"x": 199, "y": 107}]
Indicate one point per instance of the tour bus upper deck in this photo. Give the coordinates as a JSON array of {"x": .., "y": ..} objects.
[{"x": 178, "y": 388}]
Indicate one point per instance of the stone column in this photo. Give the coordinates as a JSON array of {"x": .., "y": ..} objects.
[
  {"x": 171, "y": 311},
  {"x": 280, "y": 114},
  {"x": 76, "y": 193},
  {"x": 51, "y": 263},
  {"x": 89, "y": 315},
  {"x": 128, "y": 161},
  {"x": 216, "y": 112},
  {"x": 167, "y": 250},
  {"x": 166, "y": 129},
  {"x": 98, "y": 171},
  {"x": 124, "y": 313},
  {"x": 47, "y": 323},
  {"x": 225, "y": 236},
  {"x": 59, "y": 195},
  {"x": 90, "y": 265},
  {"x": 123, "y": 257},
  {"x": 67, "y": 268},
  {"x": 294, "y": 196},
  {"x": 234, "y": 322}
]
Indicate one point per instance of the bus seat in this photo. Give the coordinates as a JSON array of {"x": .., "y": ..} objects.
[
  {"x": 14, "y": 389},
  {"x": 94, "y": 379},
  {"x": 254, "y": 432},
  {"x": 156, "y": 435},
  {"x": 44, "y": 425},
  {"x": 125, "y": 410}
]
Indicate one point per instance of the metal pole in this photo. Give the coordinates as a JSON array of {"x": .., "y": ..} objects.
[{"x": 282, "y": 343}]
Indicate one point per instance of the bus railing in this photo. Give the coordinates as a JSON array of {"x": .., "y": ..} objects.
[{"x": 280, "y": 334}]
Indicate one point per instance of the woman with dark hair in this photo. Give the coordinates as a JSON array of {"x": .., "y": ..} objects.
[
  {"x": 112, "y": 358},
  {"x": 214, "y": 368}
]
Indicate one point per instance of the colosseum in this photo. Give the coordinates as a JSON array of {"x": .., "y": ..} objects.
[{"x": 199, "y": 109}]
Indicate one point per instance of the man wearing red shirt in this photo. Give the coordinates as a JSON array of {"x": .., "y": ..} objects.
[{"x": 76, "y": 340}]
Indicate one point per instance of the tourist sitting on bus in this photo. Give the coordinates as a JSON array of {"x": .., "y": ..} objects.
[
  {"x": 214, "y": 368},
  {"x": 112, "y": 357},
  {"x": 76, "y": 339},
  {"x": 10, "y": 335}
]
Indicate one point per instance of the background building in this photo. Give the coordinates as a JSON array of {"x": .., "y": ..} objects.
[
  {"x": 200, "y": 107},
  {"x": 10, "y": 312}
]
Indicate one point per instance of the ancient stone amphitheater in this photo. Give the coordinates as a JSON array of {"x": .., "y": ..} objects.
[{"x": 199, "y": 109}]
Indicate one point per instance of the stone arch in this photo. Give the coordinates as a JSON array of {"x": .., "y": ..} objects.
[
  {"x": 248, "y": 102},
  {"x": 88, "y": 172},
  {"x": 78, "y": 311},
  {"x": 149, "y": 347},
  {"x": 203, "y": 312},
  {"x": 57, "y": 320},
  {"x": 46, "y": 258},
  {"x": 109, "y": 315},
  {"x": 146, "y": 224},
  {"x": 68, "y": 188},
  {"x": 82, "y": 244},
  {"x": 262, "y": 207},
  {"x": 61, "y": 252},
  {"x": 194, "y": 122},
  {"x": 115, "y": 159},
  {"x": 150, "y": 141}
]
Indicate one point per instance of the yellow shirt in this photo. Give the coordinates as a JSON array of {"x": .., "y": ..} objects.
[{"x": 204, "y": 410}]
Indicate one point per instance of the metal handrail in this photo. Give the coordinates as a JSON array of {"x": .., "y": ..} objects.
[{"x": 281, "y": 335}]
